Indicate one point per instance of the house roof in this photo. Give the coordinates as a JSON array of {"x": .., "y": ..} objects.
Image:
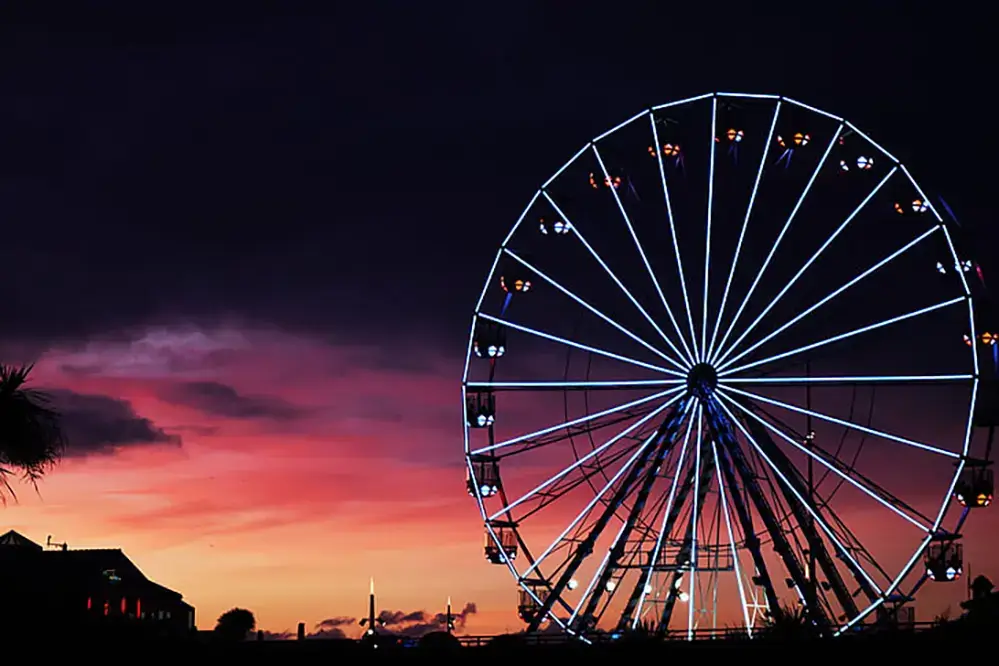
[
  {"x": 81, "y": 565},
  {"x": 12, "y": 538}
]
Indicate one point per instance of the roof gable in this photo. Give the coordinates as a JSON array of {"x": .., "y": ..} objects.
[{"x": 12, "y": 538}]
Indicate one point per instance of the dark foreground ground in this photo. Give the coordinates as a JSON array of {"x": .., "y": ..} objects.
[{"x": 508, "y": 650}]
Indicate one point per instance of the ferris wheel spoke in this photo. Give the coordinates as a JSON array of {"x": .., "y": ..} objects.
[
  {"x": 576, "y": 386},
  {"x": 891, "y": 504},
  {"x": 579, "y": 345},
  {"x": 695, "y": 516},
  {"x": 645, "y": 261},
  {"x": 673, "y": 236},
  {"x": 723, "y": 363},
  {"x": 577, "y": 421},
  {"x": 637, "y": 599},
  {"x": 614, "y": 278},
  {"x": 594, "y": 468},
  {"x": 807, "y": 516},
  {"x": 844, "y": 380},
  {"x": 845, "y": 336},
  {"x": 742, "y": 232},
  {"x": 732, "y": 462},
  {"x": 723, "y": 503},
  {"x": 607, "y": 569},
  {"x": 780, "y": 237},
  {"x": 593, "y": 310},
  {"x": 777, "y": 522},
  {"x": 568, "y": 434},
  {"x": 859, "y": 572},
  {"x": 626, "y": 467},
  {"x": 846, "y": 424},
  {"x": 685, "y": 561},
  {"x": 797, "y": 276},
  {"x": 634, "y": 468},
  {"x": 589, "y": 456},
  {"x": 707, "y": 233}
]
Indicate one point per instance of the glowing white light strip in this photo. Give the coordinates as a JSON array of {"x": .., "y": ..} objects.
[
  {"x": 725, "y": 364},
  {"x": 622, "y": 383},
  {"x": 822, "y": 523},
  {"x": 641, "y": 252},
  {"x": 776, "y": 299},
  {"x": 745, "y": 225},
  {"x": 613, "y": 277},
  {"x": 626, "y": 122},
  {"x": 872, "y": 142},
  {"x": 592, "y": 503},
  {"x": 662, "y": 530},
  {"x": 550, "y": 280},
  {"x": 707, "y": 232},
  {"x": 565, "y": 166},
  {"x": 683, "y": 101},
  {"x": 731, "y": 540},
  {"x": 780, "y": 237},
  {"x": 811, "y": 108},
  {"x": 844, "y": 336},
  {"x": 692, "y": 585},
  {"x": 580, "y": 346},
  {"x": 856, "y": 484},
  {"x": 577, "y": 421},
  {"x": 672, "y": 228},
  {"x": 584, "y": 459},
  {"x": 845, "y": 424},
  {"x": 846, "y": 379}
]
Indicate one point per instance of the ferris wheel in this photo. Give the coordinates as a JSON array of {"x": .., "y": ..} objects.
[{"x": 716, "y": 372}]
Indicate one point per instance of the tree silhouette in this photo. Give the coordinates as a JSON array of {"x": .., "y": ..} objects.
[
  {"x": 31, "y": 436},
  {"x": 235, "y": 624}
]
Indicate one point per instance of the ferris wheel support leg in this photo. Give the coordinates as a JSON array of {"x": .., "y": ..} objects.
[
  {"x": 632, "y": 612},
  {"x": 585, "y": 548},
  {"x": 726, "y": 434},
  {"x": 687, "y": 553},
  {"x": 628, "y": 617},
  {"x": 670, "y": 432},
  {"x": 742, "y": 513},
  {"x": 807, "y": 523}
]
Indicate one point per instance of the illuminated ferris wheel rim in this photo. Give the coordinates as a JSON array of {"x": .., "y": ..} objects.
[{"x": 706, "y": 363}]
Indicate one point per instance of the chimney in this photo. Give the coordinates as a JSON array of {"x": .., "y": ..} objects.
[{"x": 301, "y": 631}]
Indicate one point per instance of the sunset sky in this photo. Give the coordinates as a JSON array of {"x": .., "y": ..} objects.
[{"x": 243, "y": 251}]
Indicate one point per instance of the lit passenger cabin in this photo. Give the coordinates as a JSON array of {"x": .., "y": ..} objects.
[
  {"x": 480, "y": 410},
  {"x": 489, "y": 340},
  {"x": 529, "y": 600},
  {"x": 985, "y": 338},
  {"x": 947, "y": 266},
  {"x": 504, "y": 551},
  {"x": 515, "y": 280},
  {"x": 862, "y": 163},
  {"x": 483, "y": 476},
  {"x": 944, "y": 559},
  {"x": 914, "y": 207},
  {"x": 975, "y": 488},
  {"x": 790, "y": 144},
  {"x": 610, "y": 180},
  {"x": 553, "y": 226}
]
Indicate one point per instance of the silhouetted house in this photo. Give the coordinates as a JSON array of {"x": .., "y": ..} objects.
[{"x": 78, "y": 590}]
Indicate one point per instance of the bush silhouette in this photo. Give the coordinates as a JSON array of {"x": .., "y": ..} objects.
[{"x": 235, "y": 625}]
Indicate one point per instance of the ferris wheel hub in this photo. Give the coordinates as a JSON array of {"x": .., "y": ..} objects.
[{"x": 702, "y": 380}]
